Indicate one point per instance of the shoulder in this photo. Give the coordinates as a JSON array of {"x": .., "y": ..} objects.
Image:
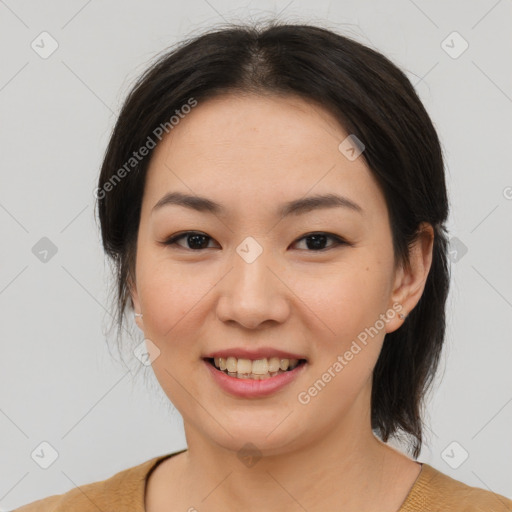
[
  {"x": 434, "y": 491},
  {"x": 122, "y": 492}
]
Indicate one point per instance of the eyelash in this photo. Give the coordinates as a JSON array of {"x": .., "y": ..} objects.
[{"x": 338, "y": 240}]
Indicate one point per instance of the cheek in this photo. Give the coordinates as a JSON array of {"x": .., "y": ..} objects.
[
  {"x": 175, "y": 299},
  {"x": 347, "y": 304},
  {"x": 347, "y": 338},
  {"x": 346, "y": 299},
  {"x": 166, "y": 295}
]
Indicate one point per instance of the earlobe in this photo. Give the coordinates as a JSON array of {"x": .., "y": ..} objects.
[
  {"x": 135, "y": 303},
  {"x": 410, "y": 282}
]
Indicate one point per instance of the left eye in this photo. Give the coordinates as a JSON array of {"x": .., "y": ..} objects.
[
  {"x": 198, "y": 241},
  {"x": 318, "y": 239}
]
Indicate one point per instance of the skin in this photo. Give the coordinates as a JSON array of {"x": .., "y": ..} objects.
[{"x": 251, "y": 154}]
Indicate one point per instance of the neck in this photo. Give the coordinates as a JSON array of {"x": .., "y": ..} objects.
[{"x": 347, "y": 468}]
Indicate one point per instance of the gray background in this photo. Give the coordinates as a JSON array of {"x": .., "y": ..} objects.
[{"x": 59, "y": 382}]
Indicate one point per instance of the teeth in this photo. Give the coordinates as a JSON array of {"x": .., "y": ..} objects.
[
  {"x": 273, "y": 364},
  {"x": 244, "y": 366},
  {"x": 231, "y": 364},
  {"x": 257, "y": 369}
]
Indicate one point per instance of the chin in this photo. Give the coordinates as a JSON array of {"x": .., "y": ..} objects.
[{"x": 267, "y": 438}]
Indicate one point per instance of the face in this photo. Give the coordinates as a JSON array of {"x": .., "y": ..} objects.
[{"x": 249, "y": 279}]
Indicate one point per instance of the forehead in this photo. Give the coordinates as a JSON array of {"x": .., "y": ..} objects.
[
  {"x": 263, "y": 126},
  {"x": 241, "y": 150}
]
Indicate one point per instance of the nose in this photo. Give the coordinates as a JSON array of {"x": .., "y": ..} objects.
[{"x": 253, "y": 293}]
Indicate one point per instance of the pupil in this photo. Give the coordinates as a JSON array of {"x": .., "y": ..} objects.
[
  {"x": 317, "y": 239},
  {"x": 195, "y": 239}
]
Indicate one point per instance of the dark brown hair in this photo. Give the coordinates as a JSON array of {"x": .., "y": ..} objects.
[{"x": 372, "y": 99}]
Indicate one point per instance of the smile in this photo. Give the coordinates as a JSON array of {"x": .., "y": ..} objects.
[
  {"x": 246, "y": 382},
  {"x": 258, "y": 369}
]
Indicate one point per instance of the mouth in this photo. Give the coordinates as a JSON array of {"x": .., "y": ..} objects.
[{"x": 254, "y": 369}]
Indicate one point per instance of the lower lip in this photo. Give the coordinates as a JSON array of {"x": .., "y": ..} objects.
[{"x": 250, "y": 388}]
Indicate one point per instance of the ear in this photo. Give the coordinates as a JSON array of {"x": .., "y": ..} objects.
[
  {"x": 410, "y": 283},
  {"x": 132, "y": 288}
]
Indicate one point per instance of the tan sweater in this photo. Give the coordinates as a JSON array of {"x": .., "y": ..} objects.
[{"x": 433, "y": 491}]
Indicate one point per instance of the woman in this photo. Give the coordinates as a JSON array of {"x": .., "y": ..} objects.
[{"x": 274, "y": 203}]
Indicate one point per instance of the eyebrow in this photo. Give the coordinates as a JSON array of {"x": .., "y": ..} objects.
[{"x": 295, "y": 207}]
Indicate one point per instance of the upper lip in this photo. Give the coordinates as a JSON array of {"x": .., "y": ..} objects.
[{"x": 253, "y": 353}]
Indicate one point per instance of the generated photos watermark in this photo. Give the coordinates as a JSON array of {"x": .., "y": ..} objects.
[
  {"x": 342, "y": 360},
  {"x": 137, "y": 156}
]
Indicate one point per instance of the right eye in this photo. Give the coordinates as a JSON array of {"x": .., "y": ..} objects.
[{"x": 196, "y": 241}]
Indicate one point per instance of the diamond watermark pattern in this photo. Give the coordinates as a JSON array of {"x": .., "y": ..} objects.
[
  {"x": 454, "y": 455},
  {"x": 146, "y": 352},
  {"x": 249, "y": 249},
  {"x": 44, "y": 45},
  {"x": 351, "y": 147},
  {"x": 44, "y": 250},
  {"x": 454, "y": 45},
  {"x": 249, "y": 454},
  {"x": 44, "y": 455},
  {"x": 456, "y": 250}
]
